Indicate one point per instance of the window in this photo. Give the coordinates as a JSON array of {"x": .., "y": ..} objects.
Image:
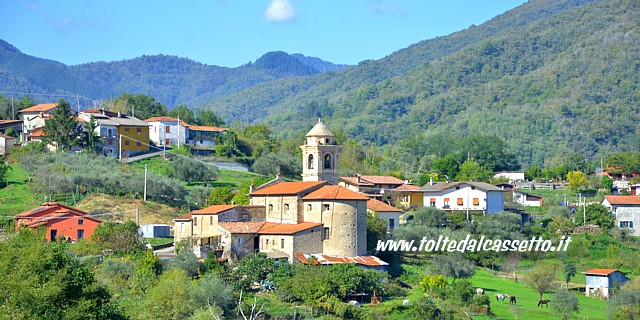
[
  {"x": 80, "y": 221},
  {"x": 110, "y": 142},
  {"x": 432, "y": 202},
  {"x": 326, "y": 234},
  {"x": 182, "y": 227},
  {"x": 126, "y": 129},
  {"x": 167, "y": 142},
  {"x": 270, "y": 207},
  {"x": 473, "y": 187},
  {"x": 195, "y": 221},
  {"x": 167, "y": 129},
  {"x": 328, "y": 141},
  {"x": 476, "y": 201},
  {"x": 391, "y": 224},
  {"x": 325, "y": 207},
  {"x": 460, "y": 202},
  {"x": 126, "y": 142},
  {"x": 405, "y": 198},
  {"x": 80, "y": 234},
  {"x": 309, "y": 207},
  {"x": 139, "y": 130},
  {"x": 281, "y": 243},
  {"x": 446, "y": 203},
  {"x": 109, "y": 133},
  {"x": 210, "y": 220},
  {"x": 286, "y": 207},
  {"x": 241, "y": 241},
  {"x": 626, "y": 224},
  {"x": 138, "y": 143},
  {"x": 458, "y": 188},
  {"x": 310, "y": 162},
  {"x": 327, "y": 161}
]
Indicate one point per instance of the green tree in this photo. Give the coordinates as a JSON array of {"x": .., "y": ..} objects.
[
  {"x": 184, "y": 113},
  {"x": 624, "y": 305},
  {"x": 565, "y": 303},
  {"x": 62, "y": 129},
  {"x": 472, "y": 171},
  {"x": 569, "y": 272},
  {"x": 376, "y": 230},
  {"x": 577, "y": 180},
  {"x": 117, "y": 237},
  {"x": 624, "y": 163},
  {"x": 273, "y": 163},
  {"x": 253, "y": 269},
  {"x": 533, "y": 173},
  {"x": 4, "y": 170},
  {"x": 191, "y": 170},
  {"x": 607, "y": 184},
  {"x": 541, "y": 278},
  {"x": 92, "y": 139},
  {"x": 207, "y": 117},
  {"x": 454, "y": 265},
  {"x": 446, "y": 166},
  {"x": 172, "y": 297},
  {"x": 428, "y": 216},
  {"x": 600, "y": 215},
  {"x": 220, "y": 195}
]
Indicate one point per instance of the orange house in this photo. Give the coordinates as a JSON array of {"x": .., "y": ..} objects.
[{"x": 60, "y": 221}]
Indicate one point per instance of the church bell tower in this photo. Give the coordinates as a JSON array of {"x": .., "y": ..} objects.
[{"x": 320, "y": 155}]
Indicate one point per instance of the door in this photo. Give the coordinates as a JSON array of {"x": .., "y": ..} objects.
[{"x": 54, "y": 235}]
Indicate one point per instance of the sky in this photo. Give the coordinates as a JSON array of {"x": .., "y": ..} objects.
[{"x": 233, "y": 32}]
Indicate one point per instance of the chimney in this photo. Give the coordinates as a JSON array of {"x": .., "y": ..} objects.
[
  {"x": 103, "y": 112},
  {"x": 251, "y": 187},
  {"x": 431, "y": 181},
  {"x": 119, "y": 115}
]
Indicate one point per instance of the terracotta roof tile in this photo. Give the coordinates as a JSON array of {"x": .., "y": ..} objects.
[
  {"x": 184, "y": 217},
  {"x": 407, "y": 187},
  {"x": 40, "y": 107},
  {"x": 354, "y": 181},
  {"x": 286, "y": 229},
  {"x": 601, "y": 271},
  {"x": 168, "y": 119},
  {"x": 208, "y": 128},
  {"x": 623, "y": 199},
  {"x": 37, "y": 132},
  {"x": 214, "y": 209},
  {"x": 289, "y": 188},
  {"x": 241, "y": 227},
  {"x": 10, "y": 121},
  {"x": 379, "y": 206},
  {"x": 6, "y": 137},
  {"x": 372, "y": 180},
  {"x": 52, "y": 210},
  {"x": 334, "y": 193},
  {"x": 325, "y": 259}
]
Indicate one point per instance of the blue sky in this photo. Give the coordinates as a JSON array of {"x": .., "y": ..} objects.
[{"x": 233, "y": 32}]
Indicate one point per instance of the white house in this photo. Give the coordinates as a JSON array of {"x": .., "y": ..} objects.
[
  {"x": 512, "y": 176},
  {"x": 167, "y": 131},
  {"x": 626, "y": 210},
  {"x": 527, "y": 200},
  {"x": 600, "y": 282},
  {"x": 204, "y": 137},
  {"x": 389, "y": 214},
  {"x": 459, "y": 196}
]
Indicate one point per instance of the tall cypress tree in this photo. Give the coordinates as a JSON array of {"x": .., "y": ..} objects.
[{"x": 62, "y": 129}]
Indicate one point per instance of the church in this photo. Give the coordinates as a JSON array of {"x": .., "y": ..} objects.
[{"x": 291, "y": 220}]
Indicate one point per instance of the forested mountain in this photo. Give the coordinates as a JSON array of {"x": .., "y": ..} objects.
[
  {"x": 170, "y": 79},
  {"x": 550, "y": 77}
]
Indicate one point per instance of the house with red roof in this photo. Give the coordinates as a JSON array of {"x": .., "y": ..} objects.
[
  {"x": 600, "y": 282},
  {"x": 373, "y": 186},
  {"x": 385, "y": 212},
  {"x": 167, "y": 131},
  {"x": 33, "y": 117},
  {"x": 408, "y": 196},
  {"x": 626, "y": 210},
  {"x": 59, "y": 221}
]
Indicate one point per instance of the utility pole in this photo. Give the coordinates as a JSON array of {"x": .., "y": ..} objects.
[
  {"x": 468, "y": 188},
  {"x": 78, "y": 102},
  {"x": 145, "y": 183},
  {"x": 13, "y": 110},
  {"x": 584, "y": 210},
  {"x": 120, "y": 148}
]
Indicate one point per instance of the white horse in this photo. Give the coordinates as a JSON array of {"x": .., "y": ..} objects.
[
  {"x": 501, "y": 296},
  {"x": 479, "y": 291}
]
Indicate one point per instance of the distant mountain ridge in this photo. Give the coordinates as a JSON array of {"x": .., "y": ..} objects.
[{"x": 171, "y": 80}]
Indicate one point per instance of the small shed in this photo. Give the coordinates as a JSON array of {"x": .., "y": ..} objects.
[
  {"x": 155, "y": 231},
  {"x": 601, "y": 281}
]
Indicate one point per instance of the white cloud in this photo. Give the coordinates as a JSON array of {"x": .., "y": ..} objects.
[
  {"x": 382, "y": 8},
  {"x": 280, "y": 11}
]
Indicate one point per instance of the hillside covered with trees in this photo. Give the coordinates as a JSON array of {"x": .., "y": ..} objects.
[{"x": 548, "y": 78}]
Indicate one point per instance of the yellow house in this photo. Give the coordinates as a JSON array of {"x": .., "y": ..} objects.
[
  {"x": 119, "y": 130},
  {"x": 135, "y": 134},
  {"x": 408, "y": 196}
]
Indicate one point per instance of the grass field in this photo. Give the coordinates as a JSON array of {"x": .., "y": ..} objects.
[
  {"x": 150, "y": 212},
  {"x": 526, "y": 307},
  {"x": 18, "y": 196}
]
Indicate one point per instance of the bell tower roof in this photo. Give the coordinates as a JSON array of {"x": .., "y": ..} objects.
[{"x": 320, "y": 130}]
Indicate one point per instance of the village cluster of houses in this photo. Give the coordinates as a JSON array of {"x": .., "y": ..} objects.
[
  {"x": 321, "y": 219},
  {"x": 122, "y": 135}
]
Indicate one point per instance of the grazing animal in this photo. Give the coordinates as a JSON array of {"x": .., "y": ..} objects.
[
  {"x": 501, "y": 296},
  {"x": 544, "y": 302},
  {"x": 479, "y": 291},
  {"x": 512, "y": 300},
  {"x": 406, "y": 302}
]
